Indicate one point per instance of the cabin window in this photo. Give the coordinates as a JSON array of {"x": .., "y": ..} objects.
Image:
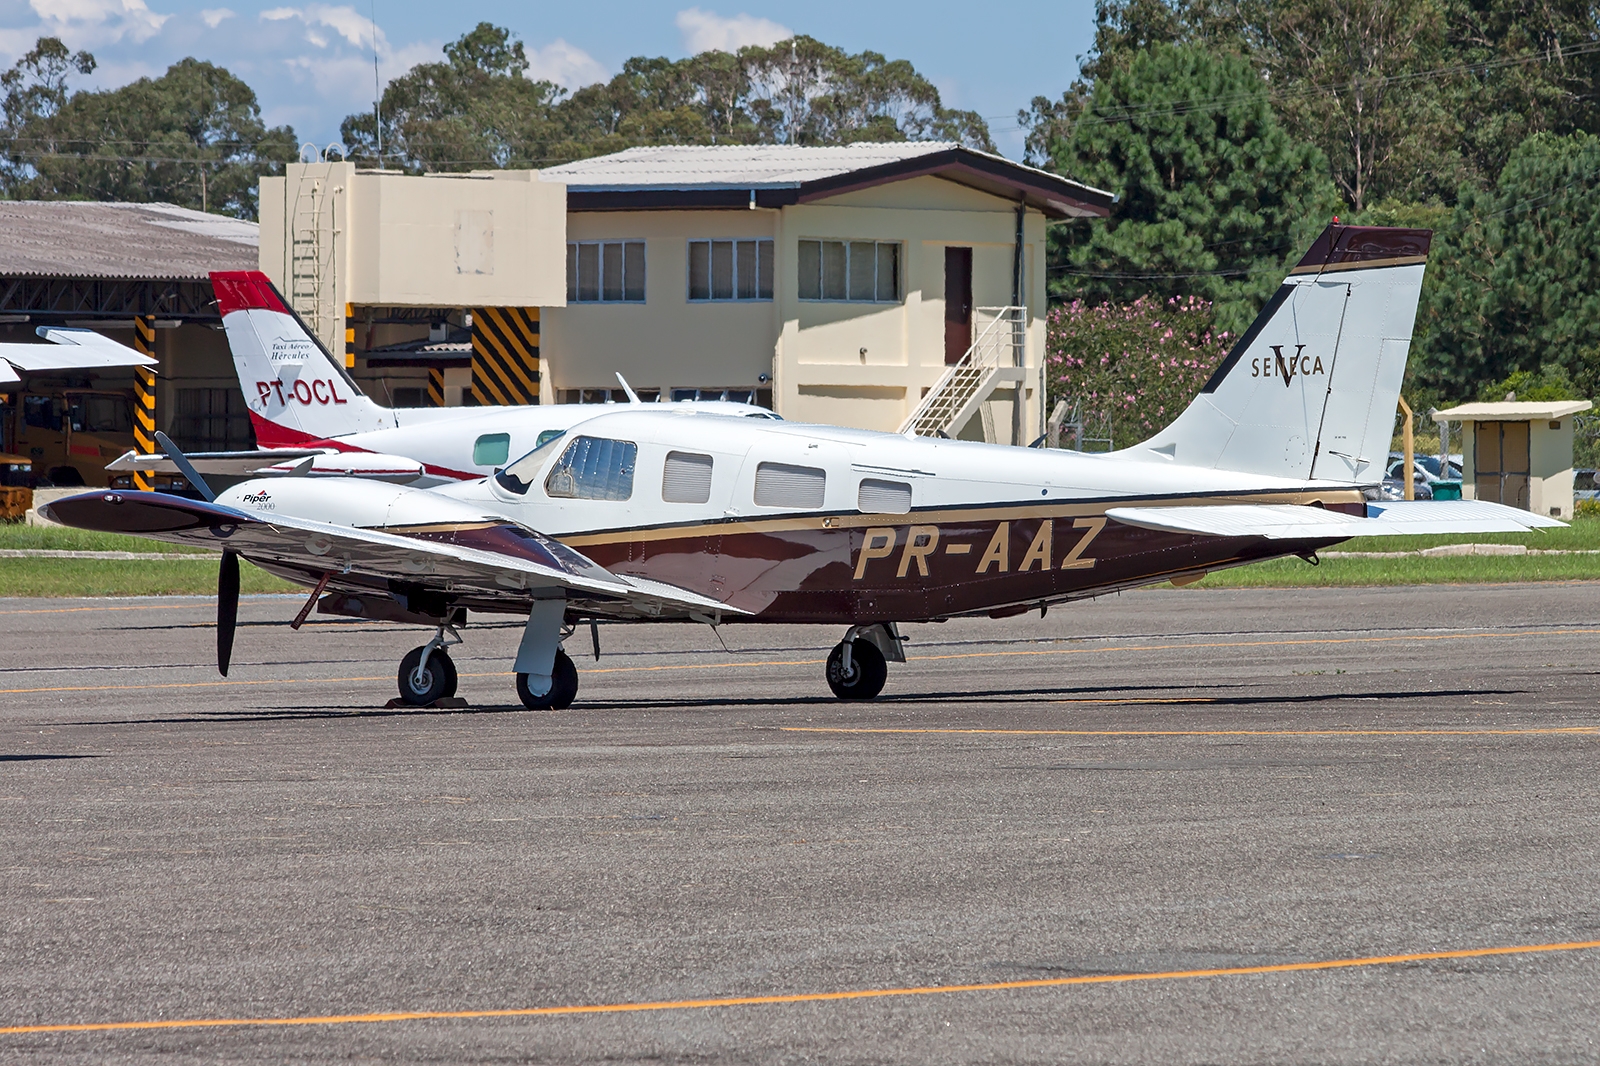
[
  {"x": 491, "y": 449},
  {"x": 520, "y": 474},
  {"x": 605, "y": 272},
  {"x": 782, "y": 485},
  {"x": 730, "y": 270},
  {"x": 850, "y": 271},
  {"x": 594, "y": 468},
  {"x": 883, "y": 497},
  {"x": 686, "y": 478}
]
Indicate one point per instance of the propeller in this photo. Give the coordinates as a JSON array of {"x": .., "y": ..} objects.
[{"x": 227, "y": 608}]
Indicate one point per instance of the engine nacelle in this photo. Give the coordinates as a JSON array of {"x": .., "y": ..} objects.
[{"x": 359, "y": 502}]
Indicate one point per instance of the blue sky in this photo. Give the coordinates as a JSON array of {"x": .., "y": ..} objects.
[{"x": 311, "y": 64}]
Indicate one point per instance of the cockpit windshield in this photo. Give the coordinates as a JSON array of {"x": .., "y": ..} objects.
[{"x": 520, "y": 474}]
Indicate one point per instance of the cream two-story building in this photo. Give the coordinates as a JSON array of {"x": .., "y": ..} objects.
[{"x": 836, "y": 284}]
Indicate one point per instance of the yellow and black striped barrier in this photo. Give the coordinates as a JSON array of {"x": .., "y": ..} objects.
[
  {"x": 144, "y": 399},
  {"x": 505, "y": 355},
  {"x": 349, "y": 337},
  {"x": 435, "y": 387}
]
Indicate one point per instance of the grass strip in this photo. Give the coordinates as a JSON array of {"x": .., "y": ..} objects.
[
  {"x": 122, "y": 577},
  {"x": 1406, "y": 570},
  {"x": 16, "y": 536}
]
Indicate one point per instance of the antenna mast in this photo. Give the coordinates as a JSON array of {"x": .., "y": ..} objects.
[{"x": 377, "y": 88}]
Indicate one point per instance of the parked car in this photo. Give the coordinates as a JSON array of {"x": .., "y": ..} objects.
[
  {"x": 1425, "y": 470},
  {"x": 1583, "y": 487}
]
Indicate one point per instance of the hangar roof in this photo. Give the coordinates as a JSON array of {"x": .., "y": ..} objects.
[
  {"x": 72, "y": 238},
  {"x": 776, "y": 175}
]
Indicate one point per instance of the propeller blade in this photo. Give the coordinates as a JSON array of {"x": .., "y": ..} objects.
[{"x": 227, "y": 608}]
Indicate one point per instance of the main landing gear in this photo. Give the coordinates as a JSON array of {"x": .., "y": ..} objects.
[
  {"x": 426, "y": 673},
  {"x": 858, "y": 666},
  {"x": 562, "y": 691}
]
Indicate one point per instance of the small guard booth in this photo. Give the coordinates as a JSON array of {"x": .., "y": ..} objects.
[{"x": 1517, "y": 453}]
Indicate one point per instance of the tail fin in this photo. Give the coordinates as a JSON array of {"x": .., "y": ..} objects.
[
  {"x": 295, "y": 390},
  {"x": 1310, "y": 390}
]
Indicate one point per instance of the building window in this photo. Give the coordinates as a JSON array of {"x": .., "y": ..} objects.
[
  {"x": 730, "y": 270},
  {"x": 410, "y": 397},
  {"x": 605, "y": 272},
  {"x": 211, "y": 420},
  {"x": 851, "y": 271},
  {"x": 594, "y": 468}
]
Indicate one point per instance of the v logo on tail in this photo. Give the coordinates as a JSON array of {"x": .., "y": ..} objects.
[{"x": 1335, "y": 336}]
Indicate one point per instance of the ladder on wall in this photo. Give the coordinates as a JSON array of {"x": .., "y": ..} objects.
[
  {"x": 311, "y": 257},
  {"x": 996, "y": 359}
]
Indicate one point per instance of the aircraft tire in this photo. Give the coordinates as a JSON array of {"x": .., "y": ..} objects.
[
  {"x": 868, "y": 671},
  {"x": 563, "y": 687},
  {"x": 439, "y": 679}
]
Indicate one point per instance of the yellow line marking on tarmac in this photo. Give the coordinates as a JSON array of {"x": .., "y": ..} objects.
[
  {"x": 806, "y": 997},
  {"x": 1576, "y": 730},
  {"x": 816, "y": 662}
]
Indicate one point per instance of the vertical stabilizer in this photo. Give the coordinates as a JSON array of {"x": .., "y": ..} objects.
[
  {"x": 295, "y": 390},
  {"x": 1310, "y": 390}
]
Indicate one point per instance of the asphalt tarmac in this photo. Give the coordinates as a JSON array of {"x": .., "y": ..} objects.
[{"x": 1171, "y": 826}]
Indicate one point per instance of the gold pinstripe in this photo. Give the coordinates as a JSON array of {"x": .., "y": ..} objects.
[{"x": 1371, "y": 264}]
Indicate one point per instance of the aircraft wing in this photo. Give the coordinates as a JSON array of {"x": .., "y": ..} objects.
[
  {"x": 1286, "y": 521},
  {"x": 228, "y": 464},
  {"x": 71, "y": 349},
  {"x": 522, "y": 562}
]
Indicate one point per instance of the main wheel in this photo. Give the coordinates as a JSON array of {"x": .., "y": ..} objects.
[
  {"x": 563, "y": 687},
  {"x": 868, "y": 671},
  {"x": 435, "y": 683}
]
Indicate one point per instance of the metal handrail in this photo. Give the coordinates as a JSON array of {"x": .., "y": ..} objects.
[{"x": 963, "y": 377}]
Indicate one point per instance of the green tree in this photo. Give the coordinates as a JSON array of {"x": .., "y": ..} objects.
[
  {"x": 1215, "y": 199},
  {"x": 474, "y": 110},
  {"x": 478, "y": 109},
  {"x": 1516, "y": 283},
  {"x": 192, "y": 137}
]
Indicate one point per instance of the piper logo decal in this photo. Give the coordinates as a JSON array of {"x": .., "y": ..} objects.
[
  {"x": 1286, "y": 367},
  {"x": 261, "y": 499}
]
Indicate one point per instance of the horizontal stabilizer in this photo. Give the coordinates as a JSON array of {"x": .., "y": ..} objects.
[
  {"x": 71, "y": 349},
  {"x": 1287, "y": 521},
  {"x": 281, "y": 462}
]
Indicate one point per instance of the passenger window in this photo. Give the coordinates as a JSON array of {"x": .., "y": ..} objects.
[
  {"x": 883, "y": 497},
  {"x": 491, "y": 449},
  {"x": 594, "y": 468},
  {"x": 782, "y": 485},
  {"x": 686, "y": 478}
]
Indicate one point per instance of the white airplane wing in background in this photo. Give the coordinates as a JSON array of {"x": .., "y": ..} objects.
[
  {"x": 70, "y": 349},
  {"x": 1287, "y": 521}
]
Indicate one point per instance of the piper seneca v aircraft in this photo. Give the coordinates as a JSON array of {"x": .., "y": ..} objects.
[
  {"x": 685, "y": 515},
  {"x": 310, "y": 418}
]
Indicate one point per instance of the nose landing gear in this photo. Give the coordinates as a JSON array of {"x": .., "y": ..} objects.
[
  {"x": 858, "y": 666},
  {"x": 426, "y": 673}
]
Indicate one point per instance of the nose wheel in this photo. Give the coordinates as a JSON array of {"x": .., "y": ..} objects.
[
  {"x": 426, "y": 673},
  {"x": 856, "y": 670},
  {"x": 563, "y": 687}
]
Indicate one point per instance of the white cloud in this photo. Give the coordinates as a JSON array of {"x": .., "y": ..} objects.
[
  {"x": 705, "y": 31},
  {"x": 346, "y": 21},
  {"x": 213, "y": 16},
  {"x": 567, "y": 65},
  {"x": 80, "y": 22}
]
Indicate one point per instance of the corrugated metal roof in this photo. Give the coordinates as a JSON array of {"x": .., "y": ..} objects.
[
  {"x": 71, "y": 238},
  {"x": 753, "y": 166}
]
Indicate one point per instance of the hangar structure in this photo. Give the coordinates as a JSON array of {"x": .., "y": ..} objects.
[{"x": 138, "y": 274}]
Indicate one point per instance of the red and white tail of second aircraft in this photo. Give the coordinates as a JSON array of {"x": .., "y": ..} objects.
[
  {"x": 310, "y": 418},
  {"x": 643, "y": 512}
]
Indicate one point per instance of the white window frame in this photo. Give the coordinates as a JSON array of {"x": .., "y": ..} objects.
[
  {"x": 574, "y": 253},
  {"x": 688, "y": 270},
  {"x": 900, "y": 271}
]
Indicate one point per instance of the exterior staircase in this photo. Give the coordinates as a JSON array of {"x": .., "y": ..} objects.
[{"x": 995, "y": 360}]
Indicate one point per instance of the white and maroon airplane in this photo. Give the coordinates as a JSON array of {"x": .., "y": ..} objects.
[
  {"x": 310, "y": 418},
  {"x": 680, "y": 514}
]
